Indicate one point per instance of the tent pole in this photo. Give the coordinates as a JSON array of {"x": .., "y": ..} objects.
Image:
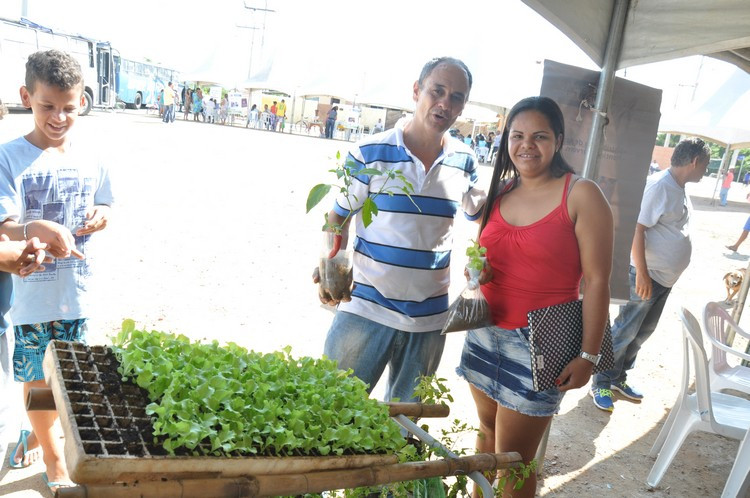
[
  {"x": 604, "y": 90},
  {"x": 290, "y": 118}
]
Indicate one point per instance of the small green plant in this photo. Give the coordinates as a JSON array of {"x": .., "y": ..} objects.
[
  {"x": 515, "y": 476},
  {"x": 221, "y": 399},
  {"x": 346, "y": 171},
  {"x": 475, "y": 252}
]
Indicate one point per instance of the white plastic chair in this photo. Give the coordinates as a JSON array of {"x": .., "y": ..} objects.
[
  {"x": 723, "y": 375},
  {"x": 704, "y": 410}
]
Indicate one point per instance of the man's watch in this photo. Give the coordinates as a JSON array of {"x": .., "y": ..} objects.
[{"x": 593, "y": 358}]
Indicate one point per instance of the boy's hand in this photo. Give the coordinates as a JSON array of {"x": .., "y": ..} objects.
[
  {"x": 96, "y": 219},
  {"x": 60, "y": 242},
  {"x": 22, "y": 258}
]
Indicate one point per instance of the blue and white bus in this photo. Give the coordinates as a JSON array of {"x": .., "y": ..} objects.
[
  {"x": 139, "y": 83},
  {"x": 19, "y": 39}
]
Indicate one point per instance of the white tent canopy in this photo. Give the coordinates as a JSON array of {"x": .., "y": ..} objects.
[
  {"x": 656, "y": 30},
  {"x": 724, "y": 117}
]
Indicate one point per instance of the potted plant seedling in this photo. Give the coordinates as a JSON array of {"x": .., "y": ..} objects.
[
  {"x": 336, "y": 265},
  {"x": 470, "y": 310}
]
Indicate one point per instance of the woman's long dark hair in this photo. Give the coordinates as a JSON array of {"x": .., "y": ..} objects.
[{"x": 503, "y": 167}]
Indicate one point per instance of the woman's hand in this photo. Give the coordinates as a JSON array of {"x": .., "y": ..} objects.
[
  {"x": 575, "y": 374},
  {"x": 484, "y": 277}
]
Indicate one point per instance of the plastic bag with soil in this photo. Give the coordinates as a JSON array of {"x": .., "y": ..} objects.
[{"x": 470, "y": 310}]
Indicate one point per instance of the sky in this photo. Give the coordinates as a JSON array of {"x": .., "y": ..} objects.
[{"x": 306, "y": 42}]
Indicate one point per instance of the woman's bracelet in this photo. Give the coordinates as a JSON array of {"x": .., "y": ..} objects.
[{"x": 25, "y": 231}]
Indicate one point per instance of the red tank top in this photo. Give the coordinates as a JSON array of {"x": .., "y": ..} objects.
[{"x": 534, "y": 266}]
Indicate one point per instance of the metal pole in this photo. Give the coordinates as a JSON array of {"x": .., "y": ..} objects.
[
  {"x": 604, "y": 90},
  {"x": 290, "y": 118},
  {"x": 410, "y": 426}
]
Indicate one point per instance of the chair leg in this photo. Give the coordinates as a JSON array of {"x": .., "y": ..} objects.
[
  {"x": 659, "y": 442},
  {"x": 738, "y": 483},
  {"x": 682, "y": 426}
]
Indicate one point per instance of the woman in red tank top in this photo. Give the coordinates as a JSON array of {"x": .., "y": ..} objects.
[{"x": 544, "y": 231}]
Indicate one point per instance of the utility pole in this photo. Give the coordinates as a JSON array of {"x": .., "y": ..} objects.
[{"x": 265, "y": 10}]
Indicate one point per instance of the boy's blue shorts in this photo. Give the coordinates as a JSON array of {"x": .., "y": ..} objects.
[{"x": 32, "y": 340}]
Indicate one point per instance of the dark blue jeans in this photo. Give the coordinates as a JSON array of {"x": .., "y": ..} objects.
[
  {"x": 633, "y": 326},
  {"x": 168, "y": 113}
]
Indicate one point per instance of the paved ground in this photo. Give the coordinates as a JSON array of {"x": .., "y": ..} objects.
[{"x": 210, "y": 239}]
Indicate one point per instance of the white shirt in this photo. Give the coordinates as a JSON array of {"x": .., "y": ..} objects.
[
  {"x": 59, "y": 187},
  {"x": 402, "y": 260},
  {"x": 665, "y": 211}
]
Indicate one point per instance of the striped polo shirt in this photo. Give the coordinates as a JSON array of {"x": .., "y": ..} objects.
[{"x": 402, "y": 259}]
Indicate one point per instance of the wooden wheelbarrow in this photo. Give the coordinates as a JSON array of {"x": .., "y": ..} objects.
[{"x": 96, "y": 461}]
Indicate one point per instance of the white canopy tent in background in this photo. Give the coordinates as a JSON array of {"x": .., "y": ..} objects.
[
  {"x": 723, "y": 117},
  {"x": 620, "y": 33},
  {"x": 655, "y": 30}
]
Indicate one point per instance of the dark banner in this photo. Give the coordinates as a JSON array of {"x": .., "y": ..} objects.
[{"x": 627, "y": 146}]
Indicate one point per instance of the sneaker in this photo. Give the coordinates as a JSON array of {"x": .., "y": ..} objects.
[
  {"x": 627, "y": 391},
  {"x": 602, "y": 399}
]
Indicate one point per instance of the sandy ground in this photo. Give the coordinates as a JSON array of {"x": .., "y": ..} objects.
[{"x": 210, "y": 239}]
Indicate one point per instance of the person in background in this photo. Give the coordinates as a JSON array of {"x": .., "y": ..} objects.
[
  {"x": 743, "y": 235},
  {"x": 281, "y": 114},
  {"x": 495, "y": 147},
  {"x": 197, "y": 104},
  {"x": 378, "y": 126},
  {"x": 54, "y": 189},
  {"x": 23, "y": 259},
  {"x": 660, "y": 253},
  {"x": 725, "y": 186},
  {"x": 265, "y": 118},
  {"x": 223, "y": 110},
  {"x": 252, "y": 117},
  {"x": 211, "y": 110},
  {"x": 401, "y": 269},
  {"x": 653, "y": 167},
  {"x": 168, "y": 103},
  {"x": 274, "y": 109},
  {"x": 545, "y": 231},
  {"x": 183, "y": 97},
  {"x": 187, "y": 102},
  {"x": 160, "y": 102},
  {"x": 331, "y": 121},
  {"x": 746, "y": 179}
]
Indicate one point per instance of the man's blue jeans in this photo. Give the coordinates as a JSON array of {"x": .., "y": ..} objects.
[
  {"x": 723, "y": 196},
  {"x": 633, "y": 326},
  {"x": 168, "y": 113},
  {"x": 367, "y": 347}
]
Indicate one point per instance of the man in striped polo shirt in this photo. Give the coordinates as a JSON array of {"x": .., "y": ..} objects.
[{"x": 401, "y": 272}]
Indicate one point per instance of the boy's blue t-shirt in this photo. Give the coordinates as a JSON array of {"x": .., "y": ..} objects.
[{"x": 50, "y": 185}]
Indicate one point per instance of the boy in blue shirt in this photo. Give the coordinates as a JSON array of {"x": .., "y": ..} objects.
[
  {"x": 54, "y": 189},
  {"x": 21, "y": 258}
]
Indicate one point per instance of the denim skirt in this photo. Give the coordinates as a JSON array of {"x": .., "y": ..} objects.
[{"x": 497, "y": 361}]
